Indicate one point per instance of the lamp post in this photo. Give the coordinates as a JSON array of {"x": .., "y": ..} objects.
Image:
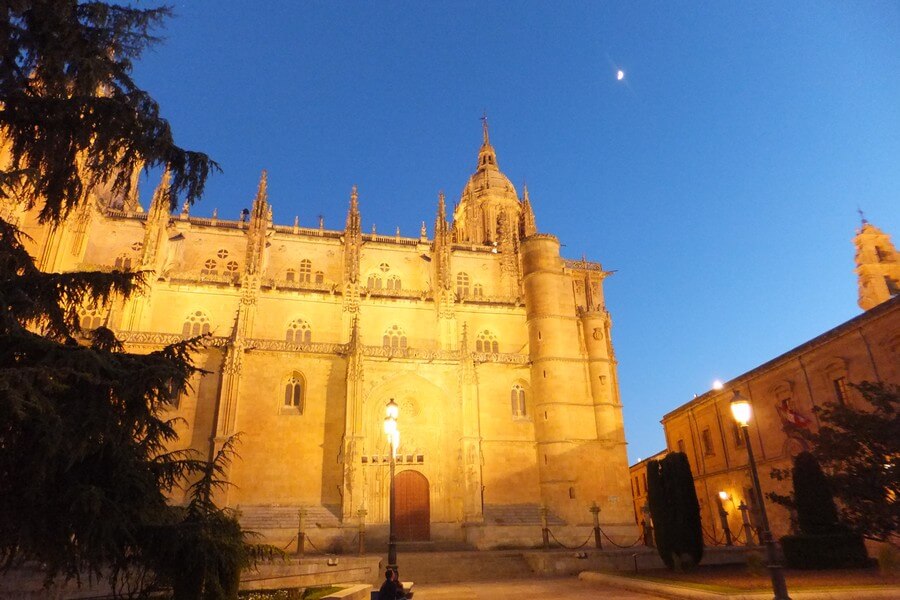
[
  {"x": 742, "y": 411},
  {"x": 723, "y": 515},
  {"x": 391, "y": 412}
]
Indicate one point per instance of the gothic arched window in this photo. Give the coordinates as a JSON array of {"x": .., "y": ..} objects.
[
  {"x": 462, "y": 284},
  {"x": 394, "y": 338},
  {"x": 517, "y": 401},
  {"x": 298, "y": 332},
  {"x": 477, "y": 290},
  {"x": 306, "y": 270},
  {"x": 294, "y": 391},
  {"x": 487, "y": 342},
  {"x": 373, "y": 282},
  {"x": 393, "y": 282},
  {"x": 90, "y": 317},
  {"x": 123, "y": 263},
  {"x": 320, "y": 277},
  {"x": 291, "y": 275},
  {"x": 197, "y": 323}
]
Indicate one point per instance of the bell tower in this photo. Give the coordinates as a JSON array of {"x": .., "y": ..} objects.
[{"x": 877, "y": 266}]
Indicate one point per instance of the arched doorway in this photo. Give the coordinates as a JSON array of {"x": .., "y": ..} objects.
[{"x": 412, "y": 507}]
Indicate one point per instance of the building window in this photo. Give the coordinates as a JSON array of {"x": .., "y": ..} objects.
[
  {"x": 644, "y": 478},
  {"x": 90, "y": 317},
  {"x": 232, "y": 267},
  {"x": 738, "y": 434},
  {"x": 462, "y": 285},
  {"x": 320, "y": 277},
  {"x": 706, "y": 437},
  {"x": 374, "y": 282},
  {"x": 571, "y": 493},
  {"x": 487, "y": 342},
  {"x": 517, "y": 400},
  {"x": 477, "y": 291},
  {"x": 294, "y": 389},
  {"x": 123, "y": 263},
  {"x": 209, "y": 267},
  {"x": 680, "y": 445},
  {"x": 394, "y": 338},
  {"x": 305, "y": 270},
  {"x": 384, "y": 267},
  {"x": 290, "y": 276},
  {"x": 893, "y": 286},
  {"x": 197, "y": 323},
  {"x": 881, "y": 254},
  {"x": 840, "y": 389},
  {"x": 393, "y": 282},
  {"x": 298, "y": 332},
  {"x": 222, "y": 253}
]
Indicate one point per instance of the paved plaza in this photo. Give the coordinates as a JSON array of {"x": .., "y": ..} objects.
[{"x": 570, "y": 588}]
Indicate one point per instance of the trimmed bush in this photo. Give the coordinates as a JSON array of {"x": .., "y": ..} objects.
[
  {"x": 816, "y": 513},
  {"x": 838, "y": 550},
  {"x": 675, "y": 511}
]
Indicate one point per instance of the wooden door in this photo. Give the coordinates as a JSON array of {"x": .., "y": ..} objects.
[{"x": 412, "y": 507}]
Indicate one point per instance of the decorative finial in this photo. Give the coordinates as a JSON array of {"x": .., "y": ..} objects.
[
  {"x": 321, "y": 222},
  {"x": 373, "y": 228},
  {"x": 185, "y": 208},
  {"x": 397, "y": 233},
  {"x": 262, "y": 192},
  {"x": 215, "y": 214},
  {"x": 296, "y": 221},
  {"x": 423, "y": 231},
  {"x": 525, "y": 197},
  {"x": 484, "y": 127},
  {"x": 354, "y": 195}
]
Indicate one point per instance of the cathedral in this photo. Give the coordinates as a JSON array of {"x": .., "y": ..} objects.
[{"x": 495, "y": 349}]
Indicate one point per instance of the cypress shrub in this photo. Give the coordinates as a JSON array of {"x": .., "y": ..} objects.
[
  {"x": 816, "y": 513},
  {"x": 675, "y": 511}
]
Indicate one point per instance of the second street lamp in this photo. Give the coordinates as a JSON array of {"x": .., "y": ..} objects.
[
  {"x": 392, "y": 411},
  {"x": 742, "y": 411}
]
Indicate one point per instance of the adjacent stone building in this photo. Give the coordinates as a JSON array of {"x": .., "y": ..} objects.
[
  {"x": 784, "y": 392},
  {"x": 496, "y": 349}
]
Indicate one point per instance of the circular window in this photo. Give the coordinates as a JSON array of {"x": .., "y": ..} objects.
[{"x": 223, "y": 253}]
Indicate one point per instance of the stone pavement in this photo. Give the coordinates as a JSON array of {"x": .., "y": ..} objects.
[{"x": 570, "y": 588}]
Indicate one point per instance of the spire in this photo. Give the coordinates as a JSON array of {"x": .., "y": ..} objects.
[
  {"x": 353, "y": 219},
  {"x": 484, "y": 127},
  {"x": 260, "y": 210},
  {"x": 528, "y": 225},
  {"x": 162, "y": 197},
  {"x": 862, "y": 217},
  {"x": 487, "y": 158}
]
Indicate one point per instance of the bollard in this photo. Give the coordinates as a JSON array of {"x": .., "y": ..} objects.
[
  {"x": 362, "y": 531},
  {"x": 595, "y": 511},
  {"x": 745, "y": 518},
  {"x": 301, "y": 535},
  {"x": 545, "y": 530},
  {"x": 723, "y": 517}
]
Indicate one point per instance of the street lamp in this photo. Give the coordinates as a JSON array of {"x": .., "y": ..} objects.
[
  {"x": 742, "y": 411},
  {"x": 392, "y": 411},
  {"x": 723, "y": 516}
]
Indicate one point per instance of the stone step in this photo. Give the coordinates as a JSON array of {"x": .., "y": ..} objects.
[
  {"x": 448, "y": 567},
  {"x": 275, "y": 516},
  {"x": 517, "y": 514}
]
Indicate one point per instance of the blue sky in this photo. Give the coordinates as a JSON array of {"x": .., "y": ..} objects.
[{"x": 720, "y": 179}]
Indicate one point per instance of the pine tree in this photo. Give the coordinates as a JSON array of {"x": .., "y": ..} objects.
[{"x": 85, "y": 467}]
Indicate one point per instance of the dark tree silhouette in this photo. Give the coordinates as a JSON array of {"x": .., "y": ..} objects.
[{"x": 675, "y": 510}]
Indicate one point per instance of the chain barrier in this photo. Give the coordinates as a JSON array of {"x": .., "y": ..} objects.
[
  {"x": 285, "y": 547},
  {"x": 570, "y": 547},
  {"x": 632, "y": 545}
]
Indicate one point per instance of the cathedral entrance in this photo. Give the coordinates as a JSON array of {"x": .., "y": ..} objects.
[{"x": 412, "y": 507}]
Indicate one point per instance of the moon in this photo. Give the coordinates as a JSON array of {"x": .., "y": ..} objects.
[{"x": 620, "y": 75}]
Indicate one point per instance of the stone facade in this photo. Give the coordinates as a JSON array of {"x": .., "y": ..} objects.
[
  {"x": 783, "y": 393},
  {"x": 496, "y": 349}
]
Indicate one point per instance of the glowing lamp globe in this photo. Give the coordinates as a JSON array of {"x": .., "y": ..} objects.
[{"x": 741, "y": 409}]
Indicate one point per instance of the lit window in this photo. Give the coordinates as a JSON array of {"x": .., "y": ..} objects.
[
  {"x": 517, "y": 400},
  {"x": 197, "y": 323},
  {"x": 681, "y": 446},
  {"x": 394, "y": 338},
  {"x": 293, "y": 392},
  {"x": 738, "y": 434},
  {"x": 487, "y": 342},
  {"x": 298, "y": 332},
  {"x": 123, "y": 263},
  {"x": 462, "y": 285}
]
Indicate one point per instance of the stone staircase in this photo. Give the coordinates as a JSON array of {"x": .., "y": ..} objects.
[{"x": 275, "y": 516}]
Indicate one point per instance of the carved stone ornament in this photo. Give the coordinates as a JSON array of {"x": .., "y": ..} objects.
[{"x": 598, "y": 333}]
